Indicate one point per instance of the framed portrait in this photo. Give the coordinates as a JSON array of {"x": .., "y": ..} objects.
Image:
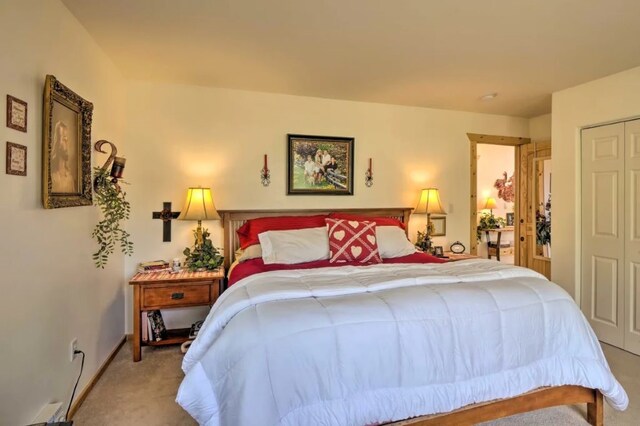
[
  {"x": 438, "y": 251},
  {"x": 439, "y": 226},
  {"x": 66, "y": 147},
  {"x": 16, "y": 159},
  {"x": 510, "y": 219},
  {"x": 319, "y": 165},
  {"x": 16, "y": 114}
]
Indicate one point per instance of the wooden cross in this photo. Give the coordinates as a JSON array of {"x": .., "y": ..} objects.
[{"x": 167, "y": 216}]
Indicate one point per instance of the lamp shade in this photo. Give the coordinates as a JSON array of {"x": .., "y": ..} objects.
[
  {"x": 490, "y": 204},
  {"x": 199, "y": 205},
  {"x": 430, "y": 202}
]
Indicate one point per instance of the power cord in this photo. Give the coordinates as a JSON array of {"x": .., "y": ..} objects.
[{"x": 66, "y": 416}]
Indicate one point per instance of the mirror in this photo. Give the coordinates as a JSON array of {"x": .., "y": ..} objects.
[{"x": 542, "y": 205}]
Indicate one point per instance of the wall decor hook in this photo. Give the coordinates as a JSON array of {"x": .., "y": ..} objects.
[{"x": 118, "y": 163}]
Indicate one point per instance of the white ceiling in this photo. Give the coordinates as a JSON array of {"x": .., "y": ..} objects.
[{"x": 432, "y": 53}]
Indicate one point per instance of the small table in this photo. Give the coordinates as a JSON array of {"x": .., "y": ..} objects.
[
  {"x": 454, "y": 257},
  {"x": 166, "y": 290},
  {"x": 495, "y": 248}
]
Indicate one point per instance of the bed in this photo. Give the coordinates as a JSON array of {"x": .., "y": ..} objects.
[{"x": 391, "y": 343}]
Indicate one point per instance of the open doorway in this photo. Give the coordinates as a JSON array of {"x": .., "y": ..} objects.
[
  {"x": 525, "y": 239},
  {"x": 494, "y": 214},
  {"x": 496, "y": 188}
]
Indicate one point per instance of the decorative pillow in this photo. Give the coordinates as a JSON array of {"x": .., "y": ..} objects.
[
  {"x": 379, "y": 221},
  {"x": 352, "y": 241},
  {"x": 393, "y": 242},
  {"x": 248, "y": 233},
  {"x": 252, "y": 252},
  {"x": 294, "y": 246}
]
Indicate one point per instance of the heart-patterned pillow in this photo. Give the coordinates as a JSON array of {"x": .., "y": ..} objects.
[{"x": 352, "y": 241}]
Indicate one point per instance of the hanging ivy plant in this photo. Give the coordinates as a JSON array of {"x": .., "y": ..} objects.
[{"x": 115, "y": 209}]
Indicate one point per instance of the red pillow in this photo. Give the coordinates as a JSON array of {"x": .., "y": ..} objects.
[
  {"x": 248, "y": 233},
  {"x": 379, "y": 221},
  {"x": 352, "y": 241}
]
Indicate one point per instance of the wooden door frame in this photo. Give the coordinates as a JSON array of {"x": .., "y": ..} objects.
[{"x": 474, "y": 140}]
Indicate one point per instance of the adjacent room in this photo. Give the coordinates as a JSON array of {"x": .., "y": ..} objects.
[{"x": 346, "y": 212}]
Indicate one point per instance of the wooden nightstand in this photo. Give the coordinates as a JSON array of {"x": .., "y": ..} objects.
[
  {"x": 164, "y": 290},
  {"x": 454, "y": 257}
]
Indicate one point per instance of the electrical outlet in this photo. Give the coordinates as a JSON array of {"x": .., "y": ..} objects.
[{"x": 73, "y": 348}]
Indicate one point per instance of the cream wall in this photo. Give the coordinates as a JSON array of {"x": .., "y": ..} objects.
[
  {"x": 540, "y": 128},
  {"x": 608, "y": 99},
  {"x": 185, "y": 135},
  {"x": 493, "y": 161},
  {"x": 51, "y": 291}
]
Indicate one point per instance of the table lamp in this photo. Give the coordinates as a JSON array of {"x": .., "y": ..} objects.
[
  {"x": 430, "y": 204},
  {"x": 199, "y": 206},
  {"x": 490, "y": 204}
]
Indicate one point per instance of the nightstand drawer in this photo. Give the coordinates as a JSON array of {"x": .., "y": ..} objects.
[{"x": 182, "y": 295}]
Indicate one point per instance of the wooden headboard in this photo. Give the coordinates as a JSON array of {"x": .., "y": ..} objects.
[{"x": 234, "y": 219}]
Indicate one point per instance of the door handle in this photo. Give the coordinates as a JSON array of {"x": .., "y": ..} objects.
[
  {"x": 177, "y": 296},
  {"x": 521, "y": 238}
]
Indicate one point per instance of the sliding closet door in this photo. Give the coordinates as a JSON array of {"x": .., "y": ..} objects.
[
  {"x": 603, "y": 271},
  {"x": 632, "y": 237}
]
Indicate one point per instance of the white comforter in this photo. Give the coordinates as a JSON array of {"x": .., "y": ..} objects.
[{"x": 362, "y": 345}]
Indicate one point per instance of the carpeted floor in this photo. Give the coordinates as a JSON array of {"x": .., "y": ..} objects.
[{"x": 143, "y": 393}]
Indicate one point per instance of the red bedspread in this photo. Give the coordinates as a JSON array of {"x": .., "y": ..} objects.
[{"x": 255, "y": 266}]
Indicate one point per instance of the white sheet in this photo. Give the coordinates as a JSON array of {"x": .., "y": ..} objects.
[{"x": 361, "y": 345}]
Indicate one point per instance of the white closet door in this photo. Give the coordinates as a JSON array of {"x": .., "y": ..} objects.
[
  {"x": 632, "y": 237},
  {"x": 603, "y": 239}
]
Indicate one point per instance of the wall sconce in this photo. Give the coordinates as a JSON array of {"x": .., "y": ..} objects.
[
  {"x": 368, "y": 176},
  {"x": 117, "y": 168},
  {"x": 265, "y": 174}
]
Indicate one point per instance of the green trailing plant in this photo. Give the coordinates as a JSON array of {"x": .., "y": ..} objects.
[
  {"x": 115, "y": 209},
  {"x": 202, "y": 256},
  {"x": 489, "y": 221},
  {"x": 543, "y": 223}
]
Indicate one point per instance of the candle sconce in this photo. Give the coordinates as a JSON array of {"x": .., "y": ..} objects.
[
  {"x": 368, "y": 176},
  {"x": 116, "y": 169},
  {"x": 265, "y": 174}
]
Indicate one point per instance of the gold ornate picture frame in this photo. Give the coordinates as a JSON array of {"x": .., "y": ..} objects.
[
  {"x": 439, "y": 226},
  {"x": 66, "y": 147}
]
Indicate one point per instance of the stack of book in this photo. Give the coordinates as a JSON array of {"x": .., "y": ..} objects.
[
  {"x": 154, "y": 266},
  {"x": 154, "y": 329}
]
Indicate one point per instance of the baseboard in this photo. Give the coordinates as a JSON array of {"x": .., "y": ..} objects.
[{"x": 85, "y": 392}]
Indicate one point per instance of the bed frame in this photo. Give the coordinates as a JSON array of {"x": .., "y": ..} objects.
[
  {"x": 234, "y": 219},
  {"x": 471, "y": 414}
]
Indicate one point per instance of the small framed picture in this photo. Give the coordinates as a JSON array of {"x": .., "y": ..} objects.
[
  {"x": 439, "y": 226},
  {"x": 510, "y": 219},
  {"x": 16, "y": 159},
  {"x": 438, "y": 251},
  {"x": 16, "y": 114}
]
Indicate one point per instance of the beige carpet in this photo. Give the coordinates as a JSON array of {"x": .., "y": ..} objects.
[{"x": 143, "y": 393}]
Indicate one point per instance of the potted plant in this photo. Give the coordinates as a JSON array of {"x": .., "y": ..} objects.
[
  {"x": 203, "y": 256},
  {"x": 543, "y": 227},
  {"x": 489, "y": 221},
  {"x": 115, "y": 209}
]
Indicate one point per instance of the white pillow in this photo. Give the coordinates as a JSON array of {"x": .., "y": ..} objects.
[
  {"x": 294, "y": 246},
  {"x": 393, "y": 242},
  {"x": 252, "y": 252}
]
